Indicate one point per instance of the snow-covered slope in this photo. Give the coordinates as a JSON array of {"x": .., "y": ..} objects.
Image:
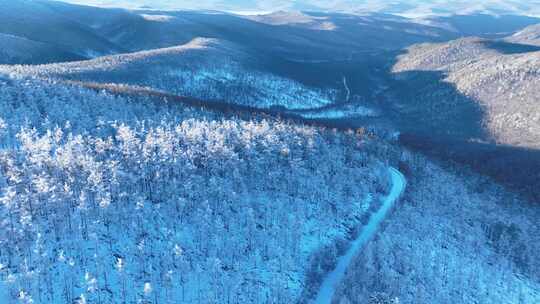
[
  {"x": 108, "y": 198},
  {"x": 499, "y": 79},
  {"x": 39, "y": 22},
  {"x": 474, "y": 101},
  {"x": 297, "y": 18},
  {"x": 206, "y": 69},
  {"x": 18, "y": 50},
  {"x": 429, "y": 57},
  {"x": 529, "y": 35}
]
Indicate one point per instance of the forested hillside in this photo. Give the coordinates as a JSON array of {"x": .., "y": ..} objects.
[
  {"x": 457, "y": 237},
  {"x": 529, "y": 35},
  {"x": 206, "y": 69},
  {"x": 496, "y": 77},
  {"x": 133, "y": 199},
  {"x": 475, "y": 101}
]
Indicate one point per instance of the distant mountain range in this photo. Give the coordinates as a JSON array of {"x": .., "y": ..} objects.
[
  {"x": 414, "y": 8},
  {"x": 82, "y": 32},
  {"x": 66, "y": 32}
]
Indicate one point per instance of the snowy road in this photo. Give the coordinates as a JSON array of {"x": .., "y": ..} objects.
[
  {"x": 331, "y": 281},
  {"x": 346, "y": 89}
]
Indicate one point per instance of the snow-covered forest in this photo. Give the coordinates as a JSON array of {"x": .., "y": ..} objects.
[
  {"x": 206, "y": 69},
  {"x": 119, "y": 200},
  {"x": 205, "y": 157},
  {"x": 456, "y": 238}
]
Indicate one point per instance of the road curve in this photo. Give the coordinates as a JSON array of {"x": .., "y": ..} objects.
[{"x": 331, "y": 281}]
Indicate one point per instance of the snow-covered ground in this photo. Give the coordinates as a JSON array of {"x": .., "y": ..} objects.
[{"x": 332, "y": 280}]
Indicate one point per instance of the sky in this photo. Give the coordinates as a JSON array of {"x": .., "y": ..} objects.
[{"x": 402, "y": 7}]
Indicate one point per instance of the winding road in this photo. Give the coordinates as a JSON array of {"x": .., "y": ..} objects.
[
  {"x": 346, "y": 89},
  {"x": 331, "y": 281}
]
